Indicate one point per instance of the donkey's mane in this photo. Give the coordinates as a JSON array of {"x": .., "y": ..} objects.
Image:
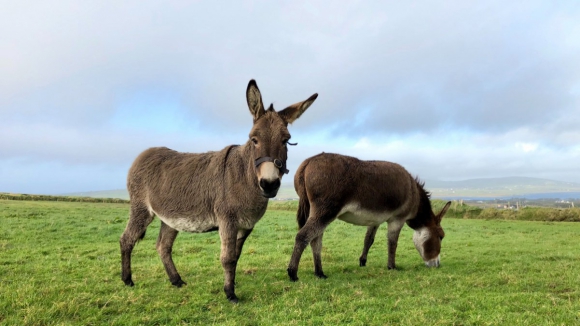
[
  {"x": 425, "y": 209},
  {"x": 422, "y": 186}
]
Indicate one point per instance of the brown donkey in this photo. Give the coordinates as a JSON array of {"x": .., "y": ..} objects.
[
  {"x": 225, "y": 191},
  {"x": 366, "y": 193}
]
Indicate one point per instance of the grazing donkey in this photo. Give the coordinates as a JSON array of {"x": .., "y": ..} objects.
[
  {"x": 365, "y": 193},
  {"x": 225, "y": 191}
]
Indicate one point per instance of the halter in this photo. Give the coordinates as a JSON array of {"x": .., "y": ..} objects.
[{"x": 277, "y": 163}]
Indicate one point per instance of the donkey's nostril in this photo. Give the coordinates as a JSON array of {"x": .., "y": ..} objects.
[{"x": 270, "y": 187}]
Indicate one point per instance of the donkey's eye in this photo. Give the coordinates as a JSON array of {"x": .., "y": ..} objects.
[{"x": 255, "y": 140}]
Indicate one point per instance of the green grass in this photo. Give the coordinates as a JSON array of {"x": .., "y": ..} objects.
[{"x": 60, "y": 265}]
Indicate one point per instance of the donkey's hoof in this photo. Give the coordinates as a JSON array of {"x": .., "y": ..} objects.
[
  {"x": 233, "y": 299},
  {"x": 362, "y": 262},
  {"x": 321, "y": 275},
  {"x": 391, "y": 267},
  {"x": 179, "y": 283},
  {"x": 293, "y": 275},
  {"x": 129, "y": 282}
]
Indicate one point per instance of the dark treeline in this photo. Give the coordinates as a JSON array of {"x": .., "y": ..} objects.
[{"x": 62, "y": 198}]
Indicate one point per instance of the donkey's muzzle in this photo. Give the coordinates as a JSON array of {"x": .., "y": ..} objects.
[
  {"x": 270, "y": 188},
  {"x": 433, "y": 262}
]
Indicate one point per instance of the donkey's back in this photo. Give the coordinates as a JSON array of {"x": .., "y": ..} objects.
[{"x": 343, "y": 183}]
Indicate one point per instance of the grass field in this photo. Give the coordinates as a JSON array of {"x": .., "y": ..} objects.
[{"x": 60, "y": 265}]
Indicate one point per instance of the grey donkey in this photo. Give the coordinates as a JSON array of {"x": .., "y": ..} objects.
[{"x": 225, "y": 191}]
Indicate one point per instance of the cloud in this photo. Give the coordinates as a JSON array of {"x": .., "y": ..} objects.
[
  {"x": 92, "y": 84},
  {"x": 458, "y": 158},
  {"x": 526, "y": 147}
]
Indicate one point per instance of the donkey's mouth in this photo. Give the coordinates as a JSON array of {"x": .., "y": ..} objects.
[
  {"x": 269, "y": 188},
  {"x": 270, "y": 194}
]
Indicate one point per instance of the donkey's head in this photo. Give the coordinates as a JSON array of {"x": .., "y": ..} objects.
[
  {"x": 428, "y": 238},
  {"x": 269, "y": 137}
]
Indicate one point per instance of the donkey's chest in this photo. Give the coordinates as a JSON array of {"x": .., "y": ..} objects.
[{"x": 354, "y": 214}]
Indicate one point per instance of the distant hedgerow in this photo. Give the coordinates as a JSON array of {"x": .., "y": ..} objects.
[{"x": 62, "y": 198}]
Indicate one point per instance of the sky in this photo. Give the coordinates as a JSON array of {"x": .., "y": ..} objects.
[{"x": 451, "y": 90}]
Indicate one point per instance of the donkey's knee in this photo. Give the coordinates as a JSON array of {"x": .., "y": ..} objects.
[
  {"x": 305, "y": 236},
  {"x": 301, "y": 240}
]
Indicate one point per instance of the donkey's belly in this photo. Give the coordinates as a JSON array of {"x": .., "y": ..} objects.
[
  {"x": 190, "y": 224},
  {"x": 353, "y": 214}
]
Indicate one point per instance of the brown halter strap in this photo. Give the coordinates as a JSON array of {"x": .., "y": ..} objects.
[{"x": 277, "y": 163}]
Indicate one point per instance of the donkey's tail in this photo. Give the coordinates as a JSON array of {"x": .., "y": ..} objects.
[
  {"x": 303, "y": 203},
  {"x": 303, "y": 212}
]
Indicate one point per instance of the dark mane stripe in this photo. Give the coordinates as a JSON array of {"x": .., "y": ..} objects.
[{"x": 422, "y": 186}]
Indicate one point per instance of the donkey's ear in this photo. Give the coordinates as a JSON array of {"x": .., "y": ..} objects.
[
  {"x": 294, "y": 111},
  {"x": 443, "y": 211},
  {"x": 254, "y": 99}
]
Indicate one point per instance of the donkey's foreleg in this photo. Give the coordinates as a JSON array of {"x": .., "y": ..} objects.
[
  {"x": 242, "y": 236},
  {"x": 393, "y": 231},
  {"x": 164, "y": 247},
  {"x": 228, "y": 258},
  {"x": 369, "y": 240},
  {"x": 313, "y": 229},
  {"x": 139, "y": 219}
]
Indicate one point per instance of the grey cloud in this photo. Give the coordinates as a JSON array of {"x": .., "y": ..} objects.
[
  {"x": 488, "y": 67},
  {"x": 381, "y": 70}
]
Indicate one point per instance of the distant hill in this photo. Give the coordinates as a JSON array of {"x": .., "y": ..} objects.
[
  {"x": 471, "y": 188},
  {"x": 503, "y": 187},
  {"x": 117, "y": 193},
  {"x": 286, "y": 192}
]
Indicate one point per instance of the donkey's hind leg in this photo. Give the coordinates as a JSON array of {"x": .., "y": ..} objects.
[
  {"x": 164, "y": 247},
  {"x": 369, "y": 240},
  {"x": 313, "y": 228},
  {"x": 316, "y": 246},
  {"x": 139, "y": 219}
]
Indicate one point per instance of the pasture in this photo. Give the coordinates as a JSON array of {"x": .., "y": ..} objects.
[{"x": 60, "y": 265}]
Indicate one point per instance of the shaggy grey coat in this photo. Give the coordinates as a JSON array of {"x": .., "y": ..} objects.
[{"x": 225, "y": 191}]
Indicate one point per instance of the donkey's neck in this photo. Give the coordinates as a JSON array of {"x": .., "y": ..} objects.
[
  {"x": 424, "y": 215},
  {"x": 246, "y": 159}
]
